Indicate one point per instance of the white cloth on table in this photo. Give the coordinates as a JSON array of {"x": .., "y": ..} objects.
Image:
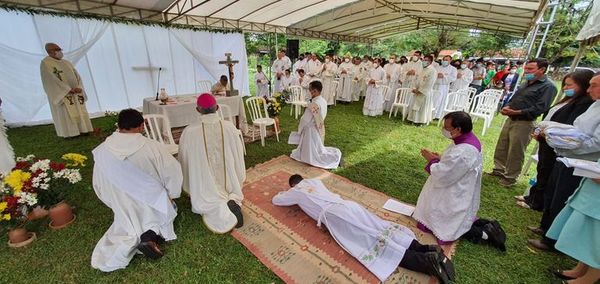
[
  {"x": 374, "y": 99},
  {"x": 449, "y": 200},
  {"x": 346, "y": 72},
  {"x": 419, "y": 109},
  {"x": 213, "y": 172},
  {"x": 377, "y": 244},
  {"x": 69, "y": 113},
  {"x": 443, "y": 86},
  {"x": 262, "y": 84},
  {"x": 311, "y": 138},
  {"x": 136, "y": 178},
  {"x": 7, "y": 154}
]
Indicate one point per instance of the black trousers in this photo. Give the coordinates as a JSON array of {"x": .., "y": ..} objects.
[
  {"x": 561, "y": 185},
  {"x": 545, "y": 165}
]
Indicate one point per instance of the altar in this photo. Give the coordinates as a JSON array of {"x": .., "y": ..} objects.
[{"x": 181, "y": 109}]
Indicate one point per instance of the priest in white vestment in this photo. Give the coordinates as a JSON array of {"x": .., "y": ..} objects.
[
  {"x": 374, "y": 99},
  {"x": 449, "y": 200},
  {"x": 379, "y": 245},
  {"x": 411, "y": 70},
  {"x": 313, "y": 67},
  {"x": 66, "y": 94},
  {"x": 328, "y": 72},
  {"x": 464, "y": 77},
  {"x": 310, "y": 137},
  {"x": 137, "y": 178},
  {"x": 212, "y": 159},
  {"x": 262, "y": 83},
  {"x": 367, "y": 66},
  {"x": 420, "y": 107},
  {"x": 392, "y": 80},
  {"x": 346, "y": 74},
  {"x": 287, "y": 80},
  {"x": 358, "y": 80},
  {"x": 445, "y": 76},
  {"x": 220, "y": 88},
  {"x": 7, "y": 154},
  {"x": 279, "y": 66},
  {"x": 302, "y": 80}
]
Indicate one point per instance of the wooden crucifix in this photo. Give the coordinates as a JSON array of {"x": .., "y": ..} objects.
[{"x": 229, "y": 63}]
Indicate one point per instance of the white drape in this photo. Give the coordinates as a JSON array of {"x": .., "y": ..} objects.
[{"x": 118, "y": 63}]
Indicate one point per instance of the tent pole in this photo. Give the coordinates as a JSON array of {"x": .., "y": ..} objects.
[{"x": 577, "y": 58}]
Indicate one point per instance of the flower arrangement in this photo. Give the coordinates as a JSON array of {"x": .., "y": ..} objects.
[
  {"x": 275, "y": 104},
  {"x": 36, "y": 182}
]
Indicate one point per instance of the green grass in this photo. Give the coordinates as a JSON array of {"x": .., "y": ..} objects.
[{"x": 380, "y": 153}]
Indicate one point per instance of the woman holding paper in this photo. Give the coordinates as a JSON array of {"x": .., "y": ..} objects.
[{"x": 562, "y": 183}]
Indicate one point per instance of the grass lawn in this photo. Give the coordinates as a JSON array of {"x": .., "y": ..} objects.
[{"x": 380, "y": 153}]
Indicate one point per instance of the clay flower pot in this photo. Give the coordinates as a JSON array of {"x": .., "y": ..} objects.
[
  {"x": 20, "y": 237},
  {"x": 61, "y": 215},
  {"x": 37, "y": 213}
]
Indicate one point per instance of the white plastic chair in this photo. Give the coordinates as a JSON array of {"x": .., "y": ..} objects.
[
  {"x": 158, "y": 128},
  {"x": 297, "y": 100},
  {"x": 532, "y": 158},
  {"x": 401, "y": 101},
  {"x": 260, "y": 117},
  {"x": 472, "y": 91},
  {"x": 457, "y": 101},
  {"x": 225, "y": 113},
  {"x": 204, "y": 86},
  {"x": 485, "y": 105}
]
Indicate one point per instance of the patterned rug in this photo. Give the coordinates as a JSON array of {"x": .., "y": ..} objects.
[{"x": 288, "y": 241}]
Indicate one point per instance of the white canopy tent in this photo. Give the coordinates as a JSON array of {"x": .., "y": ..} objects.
[{"x": 589, "y": 34}]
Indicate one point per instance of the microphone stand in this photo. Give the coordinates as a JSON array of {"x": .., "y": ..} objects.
[{"x": 158, "y": 83}]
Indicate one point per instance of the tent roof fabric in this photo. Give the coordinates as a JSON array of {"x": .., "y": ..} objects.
[
  {"x": 346, "y": 20},
  {"x": 590, "y": 32}
]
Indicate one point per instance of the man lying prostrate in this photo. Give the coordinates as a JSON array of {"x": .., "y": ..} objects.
[
  {"x": 449, "y": 201},
  {"x": 137, "y": 179},
  {"x": 379, "y": 245}
]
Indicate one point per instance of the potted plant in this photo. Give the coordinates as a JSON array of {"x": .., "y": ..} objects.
[
  {"x": 50, "y": 180},
  {"x": 16, "y": 201}
]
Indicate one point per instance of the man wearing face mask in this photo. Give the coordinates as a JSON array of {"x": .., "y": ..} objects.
[
  {"x": 410, "y": 70},
  {"x": 445, "y": 76},
  {"x": 392, "y": 74},
  {"x": 479, "y": 73},
  {"x": 419, "y": 109},
  {"x": 66, "y": 94},
  {"x": 464, "y": 76},
  {"x": 328, "y": 72},
  {"x": 510, "y": 80},
  {"x": 449, "y": 200},
  {"x": 373, "y": 105},
  {"x": 532, "y": 99},
  {"x": 346, "y": 72}
]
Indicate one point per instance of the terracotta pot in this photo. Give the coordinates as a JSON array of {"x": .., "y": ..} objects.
[
  {"x": 61, "y": 215},
  {"x": 37, "y": 213},
  {"x": 18, "y": 235}
]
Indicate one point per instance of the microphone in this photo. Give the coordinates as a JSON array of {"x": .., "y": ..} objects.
[{"x": 158, "y": 83}]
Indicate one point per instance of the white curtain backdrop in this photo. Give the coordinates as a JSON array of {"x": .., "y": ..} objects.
[{"x": 118, "y": 63}]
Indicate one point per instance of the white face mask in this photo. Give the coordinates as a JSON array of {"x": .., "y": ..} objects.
[
  {"x": 463, "y": 66},
  {"x": 414, "y": 58},
  {"x": 446, "y": 133},
  {"x": 59, "y": 54},
  {"x": 346, "y": 60},
  {"x": 392, "y": 60},
  {"x": 326, "y": 60},
  {"x": 375, "y": 65},
  {"x": 425, "y": 63}
]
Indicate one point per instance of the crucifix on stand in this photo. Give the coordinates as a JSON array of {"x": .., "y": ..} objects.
[{"x": 230, "y": 63}]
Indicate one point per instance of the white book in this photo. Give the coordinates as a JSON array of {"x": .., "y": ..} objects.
[
  {"x": 399, "y": 207},
  {"x": 583, "y": 168}
]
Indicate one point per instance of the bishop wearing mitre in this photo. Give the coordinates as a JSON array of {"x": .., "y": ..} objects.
[{"x": 66, "y": 95}]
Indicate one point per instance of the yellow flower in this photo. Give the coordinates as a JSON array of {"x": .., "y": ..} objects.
[
  {"x": 75, "y": 159},
  {"x": 5, "y": 217},
  {"x": 3, "y": 206},
  {"x": 16, "y": 178}
]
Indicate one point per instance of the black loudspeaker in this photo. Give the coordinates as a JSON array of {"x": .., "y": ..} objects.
[{"x": 293, "y": 46}]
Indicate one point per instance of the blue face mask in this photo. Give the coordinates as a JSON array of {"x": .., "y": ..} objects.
[
  {"x": 425, "y": 63},
  {"x": 569, "y": 92},
  {"x": 445, "y": 63},
  {"x": 529, "y": 76}
]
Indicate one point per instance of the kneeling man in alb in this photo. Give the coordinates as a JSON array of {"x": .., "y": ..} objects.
[
  {"x": 449, "y": 201},
  {"x": 212, "y": 157},
  {"x": 381, "y": 246},
  {"x": 311, "y": 133},
  {"x": 137, "y": 179}
]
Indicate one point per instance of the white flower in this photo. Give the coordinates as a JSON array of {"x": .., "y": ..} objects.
[
  {"x": 47, "y": 180},
  {"x": 43, "y": 165},
  {"x": 72, "y": 175},
  {"x": 28, "y": 198},
  {"x": 44, "y": 186},
  {"x": 26, "y": 159}
]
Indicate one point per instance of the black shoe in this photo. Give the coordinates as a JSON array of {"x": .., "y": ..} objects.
[
  {"x": 434, "y": 265},
  {"x": 418, "y": 247},
  {"x": 496, "y": 235},
  {"x": 237, "y": 211},
  {"x": 150, "y": 249},
  {"x": 559, "y": 273},
  {"x": 448, "y": 266}
]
